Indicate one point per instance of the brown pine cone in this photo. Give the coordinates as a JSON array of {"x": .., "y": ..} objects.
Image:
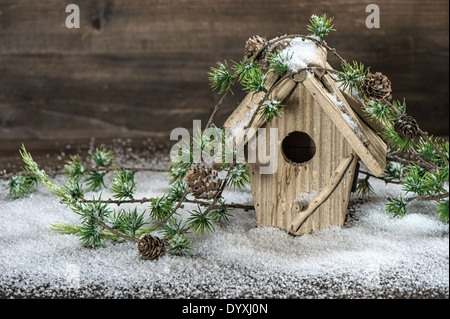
[
  {"x": 255, "y": 45},
  {"x": 202, "y": 182},
  {"x": 376, "y": 87},
  {"x": 150, "y": 247},
  {"x": 406, "y": 127}
]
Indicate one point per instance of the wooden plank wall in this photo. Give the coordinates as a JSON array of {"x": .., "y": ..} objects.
[{"x": 139, "y": 68}]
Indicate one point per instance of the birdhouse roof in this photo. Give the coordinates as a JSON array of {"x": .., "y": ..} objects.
[{"x": 344, "y": 110}]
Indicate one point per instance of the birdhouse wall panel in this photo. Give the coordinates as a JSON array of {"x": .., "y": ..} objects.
[{"x": 277, "y": 196}]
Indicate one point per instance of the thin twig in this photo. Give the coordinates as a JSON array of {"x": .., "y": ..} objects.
[
  {"x": 429, "y": 198},
  {"x": 172, "y": 212},
  {"x": 151, "y": 200},
  {"x": 217, "y": 106},
  {"x": 406, "y": 162},
  {"x": 115, "y": 232},
  {"x": 386, "y": 180},
  {"x": 425, "y": 136}
]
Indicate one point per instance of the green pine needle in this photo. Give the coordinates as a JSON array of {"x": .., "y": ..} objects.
[
  {"x": 271, "y": 109},
  {"x": 74, "y": 188},
  {"x": 128, "y": 222},
  {"x": 220, "y": 212},
  {"x": 428, "y": 152},
  {"x": 123, "y": 185},
  {"x": 64, "y": 228},
  {"x": 378, "y": 111},
  {"x": 279, "y": 62},
  {"x": 391, "y": 136},
  {"x": 177, "y": 173},
  {"x": 443, "y": 211},
  {"x": 161, "y": 207},
  {"x": 221, "y": 78},
  {"x": 351, "y": 76},
  {"x": 74, "y": 168},
  {"x": 238, "y": 177},
  {"x": 200, "y": 222},
  {"x": 172, "y": 227},
  {"x": 396, "y": 207},
  {"x": 95, "y": 180},
  {"x": 176, "y": 191},
  {"x": 102, "y": 157},
  {"x": 363, "y": 188},
  {"x": 180, "y": 244},
  {"x": 320, "y": 26},
  {"x": 243, "y": 69},
  {"x": 90, "y": 230},
  {"x": 20, "y": 186},
  {"x": 255, "y": 81},
  {"x": 393, "y": 171}
]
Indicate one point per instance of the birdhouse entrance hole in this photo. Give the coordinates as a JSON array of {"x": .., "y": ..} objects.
[{"x": 298, "y": 148}]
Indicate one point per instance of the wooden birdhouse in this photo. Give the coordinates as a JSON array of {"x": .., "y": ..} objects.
[{"x": 321, "y": 135}]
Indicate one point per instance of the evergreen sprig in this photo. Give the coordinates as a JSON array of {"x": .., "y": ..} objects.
[
  {"x": 180, "y": 244},
  {"x": 443, "y": 211},
  {"x": 95, "y": 180},
  {"x": 363, "y": 187},
  {"x": 220, "y": 212},
  {"x": 123, "y": 185},
  {"x": 244, "y": 68},
  {"x": 221, "y": 78},
  {"x": 74, "y": 188},
  {"x": 200, "y": 222},
  {"x": 351, "y": 75},
  {"x": 379, "y": 111},
  {"x": 278, "y": 62},
  {"x": 161, "y": 208},
  {"x": 74, "y": 168},
  {"x": 255, "y": 81},
  {"x": 397, "y": 206},
  {"x": 320, "y": 26},
  {"x": 238, "y": 177},
  {"x": 103, "y": 157},
  {"x": 91, "y": 230},
  {"x": 22, "y": 185},
  {"x": 128, "y": 222},
  {"x": 271, "y": 109}
]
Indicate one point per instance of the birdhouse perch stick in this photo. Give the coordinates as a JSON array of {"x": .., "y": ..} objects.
[{"x": 323, "y": 195}]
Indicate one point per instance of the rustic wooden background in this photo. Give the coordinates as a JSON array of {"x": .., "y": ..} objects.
[{"x": 138, "y": 68}]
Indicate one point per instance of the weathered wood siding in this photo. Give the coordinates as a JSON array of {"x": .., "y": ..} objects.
[
  {"x": 139, "y": 68},
  {"x": 274, "y": 195}
]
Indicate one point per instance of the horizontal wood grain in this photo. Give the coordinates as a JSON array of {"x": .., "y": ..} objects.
[{"x": 139, "y": 68}]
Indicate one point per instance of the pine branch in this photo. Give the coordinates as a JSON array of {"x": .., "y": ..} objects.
[
  {"x": 383, "y": 178},
  {"x": 151, "y": 200},
  {"x": 437, "y": 197}
]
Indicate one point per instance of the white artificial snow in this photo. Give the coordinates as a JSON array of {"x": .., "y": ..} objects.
[
  {"x": 347, "y": 117},
  {"x": 305, "y": 198},
  {"x": 372, "y": 256},
  {"x": 299, "y": 54},
  {"x": 238, "y": 128}
]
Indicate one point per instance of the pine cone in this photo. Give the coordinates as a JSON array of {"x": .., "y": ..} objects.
[
  {"x": 254, "y": 45},
  {"x": 376, "y": 87},
  {"x": 406, "y": 127},
  {"x": 150, "y": 247},
  {"x": 202, "y": 182}
]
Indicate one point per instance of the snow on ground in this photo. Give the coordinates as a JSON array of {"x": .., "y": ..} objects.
[{"x": 372, "y": 256}]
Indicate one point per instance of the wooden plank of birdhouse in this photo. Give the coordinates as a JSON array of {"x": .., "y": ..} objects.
[
  {"x": 369, "y": 146},
  {"x": 248, "y": 102},
  {"x": 324, "y": 194},
  {"x": 374, "y": 142},
  {"x": 241, "y": 118},
  {"x": 354, "y": 103}
]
